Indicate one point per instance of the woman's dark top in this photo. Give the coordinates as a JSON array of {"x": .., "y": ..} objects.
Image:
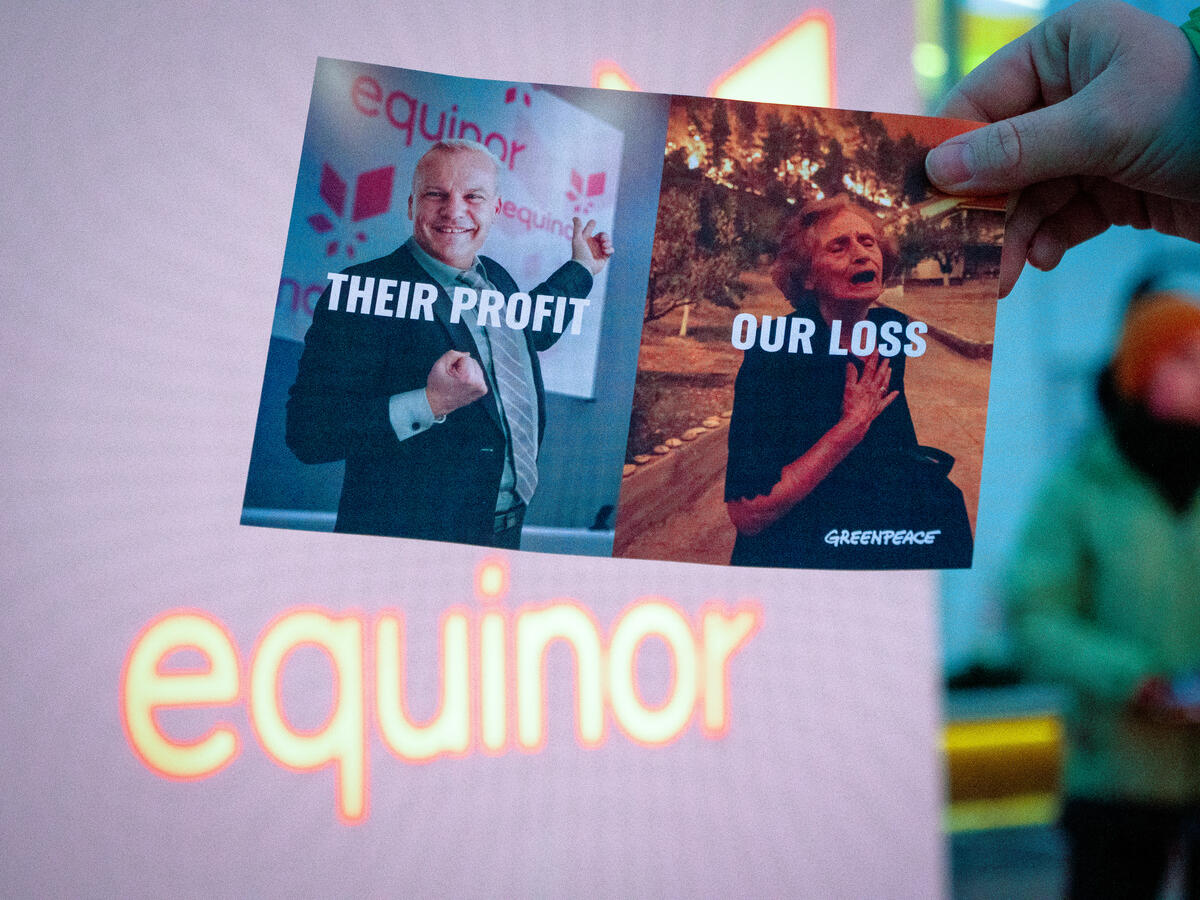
[{"x": 783, "y": 404}]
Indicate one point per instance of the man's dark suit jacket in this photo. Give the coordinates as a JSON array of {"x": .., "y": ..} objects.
[{"x": 441, "y": 484}]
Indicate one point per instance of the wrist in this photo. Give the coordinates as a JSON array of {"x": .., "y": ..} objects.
[
  {"x": 588, "y": 264},
  {"x": 436, "y": 406},
  {"x": 850, "y": 430}
]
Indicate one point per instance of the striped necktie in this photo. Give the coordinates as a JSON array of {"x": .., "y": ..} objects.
[{"x": 518, "y": 398}]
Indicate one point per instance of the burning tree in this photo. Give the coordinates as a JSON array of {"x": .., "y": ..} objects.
[{"x": 695, "y": 254}]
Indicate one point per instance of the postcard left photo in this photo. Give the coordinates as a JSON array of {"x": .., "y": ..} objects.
[{"x": 456, "y": 329}]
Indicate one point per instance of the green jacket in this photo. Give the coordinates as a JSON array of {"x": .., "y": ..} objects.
[{"x": 1105, "y": 592}]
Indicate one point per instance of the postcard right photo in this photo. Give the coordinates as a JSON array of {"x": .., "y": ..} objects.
[{"x": 813, "y": 375}]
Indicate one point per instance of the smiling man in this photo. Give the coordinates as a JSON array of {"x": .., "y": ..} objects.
[{"x": 439, "y": 418}]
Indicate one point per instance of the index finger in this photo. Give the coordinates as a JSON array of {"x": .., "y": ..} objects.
[
  {"x": 1003, "y": 85},
  {"x": 1038, "y": 109},
  {"x": 883, "y": 374}
]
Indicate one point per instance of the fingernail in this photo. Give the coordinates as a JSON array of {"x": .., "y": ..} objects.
[{"x": 950, "y": 164}]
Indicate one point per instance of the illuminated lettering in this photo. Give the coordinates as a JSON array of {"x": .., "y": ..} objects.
[
  {"x": 341, "y": 741},
  {"x": 645, "y": 724},
  {"x": 723, "y": 635},
  {"x": 536, "y": 630},
  {"x": 449, "y": 731},
  {"x": 493, "y": 682},
  {"x": 146, "y": 688},
  {"x": 474, "y": 702},
  {"x": 491, "y": 584}
]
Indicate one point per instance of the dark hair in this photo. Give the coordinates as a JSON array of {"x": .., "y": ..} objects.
[{"x": 795, "y": 243}]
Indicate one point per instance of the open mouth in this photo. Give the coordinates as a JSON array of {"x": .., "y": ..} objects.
[{"x": 864, "y": 277}]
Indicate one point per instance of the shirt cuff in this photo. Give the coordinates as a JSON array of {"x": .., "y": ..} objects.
[
  {"x": 410, "y": 414},
  {"x": 586, "y": 270}
]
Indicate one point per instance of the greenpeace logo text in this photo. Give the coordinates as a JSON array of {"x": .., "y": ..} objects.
[{"x": 887, "y": 538}]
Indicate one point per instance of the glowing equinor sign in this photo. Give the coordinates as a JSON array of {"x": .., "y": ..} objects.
[
  {"x": 795, "y": 66},
  {"x": 493, "y": 673}
]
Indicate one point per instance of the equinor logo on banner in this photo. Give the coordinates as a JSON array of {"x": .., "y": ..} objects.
[
  {"x": 368, "y": 127},
  {"x": 372, "y": 197}
]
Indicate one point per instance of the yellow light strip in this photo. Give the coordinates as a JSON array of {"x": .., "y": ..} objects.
[{"x": 998, "y": 734}]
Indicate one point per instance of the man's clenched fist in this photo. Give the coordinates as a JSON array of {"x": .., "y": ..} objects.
[{"x": 455, "y": 380}]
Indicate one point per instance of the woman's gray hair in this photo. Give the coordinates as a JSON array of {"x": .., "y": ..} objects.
[{"x": 796, "y": 243}]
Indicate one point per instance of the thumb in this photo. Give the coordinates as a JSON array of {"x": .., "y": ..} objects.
[{"x": 1014, "y": 153}]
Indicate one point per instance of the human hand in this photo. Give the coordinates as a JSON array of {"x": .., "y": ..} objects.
[
  {"x": 1094, "y": 116},
  {"x": 590, "y": 250},
  {"x": 865, "y": 397},
  {"x": 455, "y": 380}
]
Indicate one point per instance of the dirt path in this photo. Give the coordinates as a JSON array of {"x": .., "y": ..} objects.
[{"x": 673, "y": 507}]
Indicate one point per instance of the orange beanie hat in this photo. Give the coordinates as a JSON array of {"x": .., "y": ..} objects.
[{"x": 1155, "y": 327}]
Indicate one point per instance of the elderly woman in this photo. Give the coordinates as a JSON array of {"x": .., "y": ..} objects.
[{"x": 824, "y": 466}]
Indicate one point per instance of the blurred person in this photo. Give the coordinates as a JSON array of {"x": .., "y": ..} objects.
[
  {"x": 823, "y": 442},
  {"x": 1104, "y": 593},
  {"x": 1095, "y": 119}
]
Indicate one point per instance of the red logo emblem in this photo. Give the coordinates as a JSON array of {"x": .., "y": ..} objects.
[
  {"x": 583, "y": 189},
  {"x": 510, "y": 96},
  {"x": 372, "y": 197}
]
